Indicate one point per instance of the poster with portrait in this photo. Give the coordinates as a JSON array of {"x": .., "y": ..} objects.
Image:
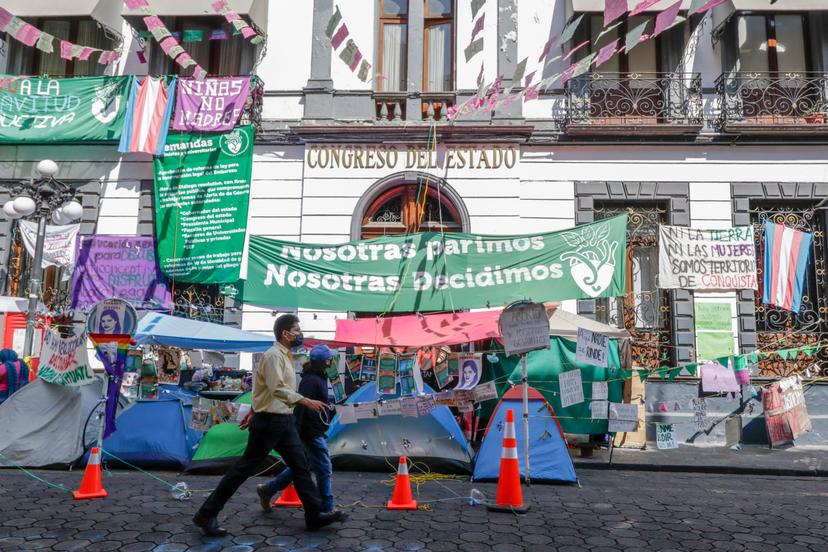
[
  {"x": 471, "y": 368},
  {"x": 112, "y": 316},
  {"x": 169, "y": 365}
]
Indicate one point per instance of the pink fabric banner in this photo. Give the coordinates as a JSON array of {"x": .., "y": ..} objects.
[
  {"x": 248, "y": 32},
  {"x": 718, "y": 379},
  {"x": 478, "y": 25},
  {"x": 340, "y": 35},
  {"x": 167, "y": 44},
  {"x": 532, "y": 93},
  {"x": 666, "y": 18},
  {"x": 103, "y": 59},
  {"x": 547, "y": 47},
  {"x": 211, "y": 105},
  {"x": 643, "y": 5},
  {"x": 232, "y": 16},
  {"x": 420, "y": 331},
  {"x": 5, "y": 18},
  {"x": 28, "y": 35},
  {"x": 185, "y": 60},
  {"x": 85, "y": 53},
  {"x": 135, "y": 4},
  {"x": 613, "y": 9},
  {"x": 606, "y": 53},
  {"x": 527, "y": 80},
  {"x": 142, "y": 57},
  {"x": 65, "y": 50},
  {"x": 576, "y": 48},
  {"x": 219, "y": 5},
  {"x": 153, "y": 22},
  {"x": 356, "y": 60}
]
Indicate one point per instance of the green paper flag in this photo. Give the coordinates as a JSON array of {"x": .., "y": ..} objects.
[
  {"x": 754, "y": 357},
  {"x": 634, "y": 36},
  {"x": 569, "y": 30},
  {"x": 673, "y": 372},
  {"x": 193, "y": 35},
  {"x": 349, "y": 52},
  {"x": 691, "y": 368},
  {"x": 740, "y": 363},
  {"x": 363, "y": 71},
  {"x": 45, "y": 43},
  {"x": 333, "y": 23},
  {"x": 643, "y": 374},
  {"x": 724, "y": 361}
]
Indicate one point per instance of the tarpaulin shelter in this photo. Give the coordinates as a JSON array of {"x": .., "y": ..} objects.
[
  {"x": 43, "y": 423},
  {"x": 548, "y": 457},
  {"x": 420, "y": 330},
  {"x": 155, "y": 433},
  {"x": 172, "y": 331},
  {"x": 376, "y": 444},
  {"x": 223, "y": 445}
]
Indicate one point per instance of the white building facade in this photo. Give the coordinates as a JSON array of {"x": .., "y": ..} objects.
[{"x": 718, "y": 121}]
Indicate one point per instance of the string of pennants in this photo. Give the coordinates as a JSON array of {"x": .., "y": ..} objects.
[
  {"x": 33, "y": 37},
  {"x": 351, "y": 55},
  {"x": 489, "y": 96}
]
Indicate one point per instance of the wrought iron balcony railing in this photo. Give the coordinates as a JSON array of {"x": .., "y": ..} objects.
[
  {"x": 796, "y": 101},
  {"x": 655, "y": 101},
  {"x": 391, "y": 106}
]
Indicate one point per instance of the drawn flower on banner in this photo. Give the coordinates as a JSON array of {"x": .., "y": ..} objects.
[{"x": 592, "y": 263}]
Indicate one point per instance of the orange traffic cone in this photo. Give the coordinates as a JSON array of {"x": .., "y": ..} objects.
[
  {"x": 288, "y": 498},
  {"x": 402, "y": 499},
  {"x": 509, "y": 494},
  {"x": 91, "y": 485}
]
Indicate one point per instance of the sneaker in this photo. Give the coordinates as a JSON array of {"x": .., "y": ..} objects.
[
  {"x": 323, "y": 519},
  {"x": 264, "y": 498}
]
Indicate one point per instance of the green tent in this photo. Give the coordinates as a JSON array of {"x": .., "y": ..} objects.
[{"x": 223, "y": 445}]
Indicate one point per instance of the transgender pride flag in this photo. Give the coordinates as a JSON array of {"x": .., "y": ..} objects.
[
  {"x": 148, "y": 116},
  {"x": 786, "y": 257}
]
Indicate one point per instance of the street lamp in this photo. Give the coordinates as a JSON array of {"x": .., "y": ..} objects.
[{"x": 42, "y": 198}]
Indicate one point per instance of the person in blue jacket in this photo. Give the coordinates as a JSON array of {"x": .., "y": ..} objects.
[
  {"x": 14, "y": 373},
  {"x": 312, "y": 427}
]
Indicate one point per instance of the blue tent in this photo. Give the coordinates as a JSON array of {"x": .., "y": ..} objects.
[
  {"x": 549, "y": 458},
  {"x": 155, "y": 433},
  {"x": 377, "y": 444},
  {"x": 172, "y": 331}
]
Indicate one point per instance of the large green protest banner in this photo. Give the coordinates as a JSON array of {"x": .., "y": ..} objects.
[
  {"x": 202, "y": 190},
  {"x": 433, "y": 272},
  {"x": 87, "y": 109}
]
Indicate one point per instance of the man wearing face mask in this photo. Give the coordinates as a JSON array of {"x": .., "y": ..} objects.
[{"x": 272, "y": 427}]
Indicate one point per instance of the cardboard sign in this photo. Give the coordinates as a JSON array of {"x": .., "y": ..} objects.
[
  {"x": 786, "y": 417},
  {"x": 391, "y": 407},
  {"x": 365, "y": 411},
  {"x": 572, "y": 390},
  {"x": 666, "y": 437},
  {"x": 484, "y": 392},
  {"x": 409, "y": 407},
  {"x": 524, "y": 327},
  {"x": 622, "y": 417},
  {"x": 591, "y": 348}
]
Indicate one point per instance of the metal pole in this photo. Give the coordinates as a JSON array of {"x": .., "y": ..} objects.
[
  {"x": 525, "y": 380},
  {"x": 102, "y": 411},
  {"x": 36, "y": 275}
]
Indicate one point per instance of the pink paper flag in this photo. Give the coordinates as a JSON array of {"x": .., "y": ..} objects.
[
  {"x": 340, "y": 35},
  {"x": 135, "y": 4},
  {"x": 142, "y": 58},
  {"x": 65, "y": 50},
  {"x": 480, "y": 76},
  {"x": 575, "y": 49},
  {"x": 167, "y": 44},
  {"x": 566, "y": 76},
  {"x": 153, "y": 22},
  {"x": 5, "y": 18},
  {"x": 248, "y": 32},
  {"x": 114, "y": 55},
  {"x": 643, "y": 5},
  {"x": 355, "y": 62},
  {"x": 613, "y": 9},
  {"x": 232, "y": 16},
  {"x": 547, "y": 47},
  {"x": 103, "y": 59},
  {"x": 219, "y": 5},
  {"x": 718, "y": 379},
  {"x": 478, "y": 25},
  {"x": 199, "y": 73},
  {"x": 185, "y": 60},
  {"x": 743, "y": 377},
  {"x": 532, "y": 93},
  {"x": 666, "y": 18},
  {"x": 85, "y": 53},
  {"x": 28, "y": 35},
  {"x": 605, "y": 53},
  {"x": 527, "y": 80},
  {"x": 662, "y": 407}
]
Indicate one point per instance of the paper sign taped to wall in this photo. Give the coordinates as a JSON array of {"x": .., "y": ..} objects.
[
  {"x": 572, "y": 390},
  {"x": 591, "y": 348}
]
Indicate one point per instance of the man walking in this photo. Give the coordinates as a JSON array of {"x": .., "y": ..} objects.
[{"x": 272, "y": 427}]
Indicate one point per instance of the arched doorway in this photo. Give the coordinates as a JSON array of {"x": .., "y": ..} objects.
[{"x": 408, "y": 202}]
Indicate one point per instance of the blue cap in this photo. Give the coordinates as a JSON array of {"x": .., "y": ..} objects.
[{"x": 321, "y": 353}]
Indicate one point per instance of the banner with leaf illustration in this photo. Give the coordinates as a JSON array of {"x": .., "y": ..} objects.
[{"x": 433, "y": 271}]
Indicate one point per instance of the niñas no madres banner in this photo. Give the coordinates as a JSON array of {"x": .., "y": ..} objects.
[{"x": 432, "y": 271}]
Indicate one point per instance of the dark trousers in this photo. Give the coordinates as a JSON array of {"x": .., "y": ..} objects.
[{"x": 268, "y": 432}]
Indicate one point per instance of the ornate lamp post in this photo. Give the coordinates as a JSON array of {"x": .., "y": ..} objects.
[{"x": 43, "y": 197}]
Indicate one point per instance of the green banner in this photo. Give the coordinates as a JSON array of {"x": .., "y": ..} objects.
[
  {"x": 87, "y": 109},
  {"x": 434, "y": 272},
  {"x": 202, "y": 189}
]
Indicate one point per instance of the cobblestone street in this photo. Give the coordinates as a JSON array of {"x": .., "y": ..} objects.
[{"x": 613, "y": 510}]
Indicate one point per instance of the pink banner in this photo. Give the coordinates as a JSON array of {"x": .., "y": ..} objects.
[
  {"x": 219, "y": 5},
  {"x": 606, "y": 53},
  {"x": 153, "y": 22},
  {"x": 199, "y": 73},
  {"x": 5, "y": 18},
  {"x": 576, "y": 48},
  {"x": 613, "y": 9},
  {"x": 478, "y": 26},
  {"x": 248, "y": 32},
  {"x": 232, "y": 16},
  {"x": 185, "y": 60},
  {"x": 527, "y": 80},
  {"x": 356, "y": 60},
  {"x": 28, "y": 35},
  {"x": 167, "y": 44},
  {"x": 135, "y": 4},
  {"x": 666, "y": 18},
  {"x": 340, "y": 35},
  {"x": 532, "y": 93},
  {"x": 213, "y": 104},
  {"x": 547, "y": 47},
  {"x": 85, "y": 53},
  {"x": 65, "y": 50}
]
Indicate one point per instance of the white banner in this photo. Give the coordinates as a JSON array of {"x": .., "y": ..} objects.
[
  {"x": 720, "y": 259},
  {"x": 58, "y": 247},
  {"x": 64, "y": 361}
]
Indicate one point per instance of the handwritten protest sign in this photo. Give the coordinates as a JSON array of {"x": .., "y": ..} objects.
[
  {"x": 720, "y": 259},
  {"x": 524, "y": 327},
  {"x": 58, "y": 246},
  {"x": 213, "y": 104},
  {"x": 591, "y": 348},
  {"x": 622, "y": 417},
  {"x": 786, "y": 417},
  {"x": 572, "y": 391},
  {"x": 64, "y": 361},
  {"x": 666, "y": 436}
]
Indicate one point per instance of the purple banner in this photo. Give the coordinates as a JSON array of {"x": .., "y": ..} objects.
[
  {"x": 118, "y": 266},
  {"x": 213, "y": 104}
]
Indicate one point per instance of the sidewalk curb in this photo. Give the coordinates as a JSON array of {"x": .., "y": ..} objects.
[{"x": 683, "y": 468}]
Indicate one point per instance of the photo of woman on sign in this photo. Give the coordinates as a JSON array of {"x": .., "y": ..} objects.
[{"x": 109, "y": 322}]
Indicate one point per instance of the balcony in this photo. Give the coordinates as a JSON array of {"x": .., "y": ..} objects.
[
  {"x": 625, "y": 104},
  {"x": 773, "y": 103},
  {"x": 391, "y": 106}
]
